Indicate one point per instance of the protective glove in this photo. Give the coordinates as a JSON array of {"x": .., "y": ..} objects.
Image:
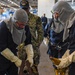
[
  {"x": 30, "y": 53},
  {"x": 10, "y": 56},
  {"x": 46, "y": 41},
  {"x": 65, "y": 62},
  {"x": 66, "y": 54}
]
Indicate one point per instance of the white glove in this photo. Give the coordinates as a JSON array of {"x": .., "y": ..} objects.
[
  {"x": 46, "y": 41},
  {"x": 10, "y": 56},
  {"x": 65, "y": 62},
  {"x": 30, "y": 54},
  {"x": 66, "y": 54}
]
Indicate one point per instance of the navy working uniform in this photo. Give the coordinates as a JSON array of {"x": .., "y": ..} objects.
[{"x": 44, "y": 22}]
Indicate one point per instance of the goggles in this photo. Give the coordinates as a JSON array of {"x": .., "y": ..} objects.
[
  {"x": 55, "y": 14},
  {"x": 20, "y": 24}
]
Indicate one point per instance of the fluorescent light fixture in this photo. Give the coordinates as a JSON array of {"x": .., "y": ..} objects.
[
  {"x": 14, "y": 3},
  {"x": 6, "y": 5}
]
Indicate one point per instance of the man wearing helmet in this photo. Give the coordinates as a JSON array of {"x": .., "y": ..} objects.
[
  {"x": 35, "y": 25},
  {"x": 66, "y": 15}
]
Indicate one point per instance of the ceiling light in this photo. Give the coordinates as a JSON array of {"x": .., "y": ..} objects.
[{"x": 14, "y": 3}]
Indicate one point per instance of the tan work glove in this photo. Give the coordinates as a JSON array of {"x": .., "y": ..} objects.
[
  {"x": 30, "y": 53},
  {"x": 65, "y": 62},
  {"x": 10, "y": 56},
  {"x": 66, "y": 54}
]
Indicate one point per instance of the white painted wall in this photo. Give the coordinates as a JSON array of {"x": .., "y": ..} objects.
[{"x": 45, "y": 6}]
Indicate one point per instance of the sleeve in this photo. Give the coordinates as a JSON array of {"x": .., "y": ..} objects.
[
  {"x": 29, "y": 47},
  {"x": 4, "y": 50},
  {"x": 69, "y": 56},
  {"x": 3, "y": 36},
  {"x": 71, "y": 46},
  {"x": 28, "y": 35},
  {"x": 39, "y": 30}
]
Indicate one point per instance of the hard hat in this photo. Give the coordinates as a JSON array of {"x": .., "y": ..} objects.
[{"x": 24, "y": 4}]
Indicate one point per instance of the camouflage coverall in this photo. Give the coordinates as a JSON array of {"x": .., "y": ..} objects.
[{"x": 35, "y": 24}]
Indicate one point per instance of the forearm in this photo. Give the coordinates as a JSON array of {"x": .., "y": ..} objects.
[
  {"x": 8, "y": 54},
  {"x": 30, "y": 53},
  {"x": 65, "y": 62}
]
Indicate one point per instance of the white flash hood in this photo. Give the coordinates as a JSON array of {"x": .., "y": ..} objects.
[{"x": 66, "y": 16}]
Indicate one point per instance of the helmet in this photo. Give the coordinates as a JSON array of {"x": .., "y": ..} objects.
[{"x": 24, "y": 4}]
